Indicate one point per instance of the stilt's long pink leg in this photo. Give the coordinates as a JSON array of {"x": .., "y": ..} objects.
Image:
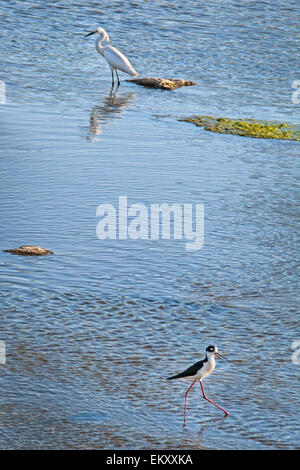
[
  {"x": 210, "y": 401},
  {"x": 185, "y": 403}
]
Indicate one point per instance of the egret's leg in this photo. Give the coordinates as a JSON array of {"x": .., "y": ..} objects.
[
  {"x": 210, "y": 401},
  {"x": 185, "y": 403},
  {"x": 117, "y": 76},
  {"x": 112, "y": 76}
]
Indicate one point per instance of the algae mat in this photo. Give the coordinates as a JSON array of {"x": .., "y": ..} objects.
[{"x": 247, "y": 127}]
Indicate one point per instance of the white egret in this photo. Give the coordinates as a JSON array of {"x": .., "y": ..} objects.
[{"x": 116, "y": 60}]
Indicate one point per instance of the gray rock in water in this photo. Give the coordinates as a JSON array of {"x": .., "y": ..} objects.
[
  {"x": 163, "y": 83},
  {"x": 30, "y": 250}
]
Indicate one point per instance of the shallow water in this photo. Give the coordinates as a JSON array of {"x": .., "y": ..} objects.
[{"x": 92, "y": 331}]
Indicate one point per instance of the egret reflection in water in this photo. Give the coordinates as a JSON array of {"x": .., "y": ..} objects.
[{"x": 112, "y": 106}]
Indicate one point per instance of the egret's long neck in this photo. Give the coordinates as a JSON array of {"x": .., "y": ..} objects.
[{"x": 99, "y": 46}]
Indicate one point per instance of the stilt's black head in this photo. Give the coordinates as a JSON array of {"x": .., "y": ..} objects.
[{"x": 213, "y": 351}]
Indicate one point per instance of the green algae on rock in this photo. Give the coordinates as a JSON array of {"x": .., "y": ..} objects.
[
  {"x": 163, "y": 83},
  {"x": 246, "y": 127}
]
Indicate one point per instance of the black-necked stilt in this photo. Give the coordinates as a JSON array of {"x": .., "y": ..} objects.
[{"x": 199, "y": 371}]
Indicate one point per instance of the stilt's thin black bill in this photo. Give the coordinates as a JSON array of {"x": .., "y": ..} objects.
[{"x": 220, "y": 355}]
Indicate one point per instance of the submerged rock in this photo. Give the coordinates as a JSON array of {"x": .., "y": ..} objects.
[
  {"x": 29, "y": 250},
  {"x": 163, "y": 83},
  {"x": 246, "y": 127}
]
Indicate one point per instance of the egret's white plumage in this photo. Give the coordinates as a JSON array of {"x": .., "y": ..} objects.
[{"x": 115, "y": 58}]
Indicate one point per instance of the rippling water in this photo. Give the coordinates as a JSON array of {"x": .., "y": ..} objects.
[{"x": 92, "y": 331}]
